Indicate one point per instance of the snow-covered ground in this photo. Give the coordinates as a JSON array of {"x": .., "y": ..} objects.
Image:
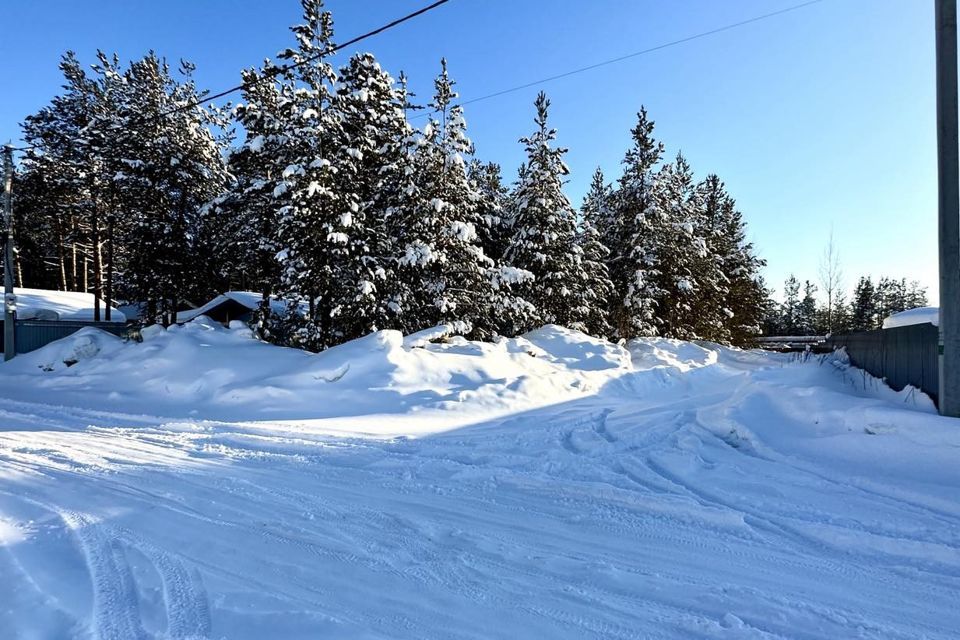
[{"x": 205, "y": 485}]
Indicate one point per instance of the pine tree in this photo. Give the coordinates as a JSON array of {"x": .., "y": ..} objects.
[
  {"x": 170, "y": 167},
  {"x": 543, "y": 237},
  {"x": 67, "y": 175},
  {"x": 916, "y": 296}
]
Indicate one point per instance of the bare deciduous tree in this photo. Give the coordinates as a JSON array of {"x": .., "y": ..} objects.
[{"x": 831, "y": 279}]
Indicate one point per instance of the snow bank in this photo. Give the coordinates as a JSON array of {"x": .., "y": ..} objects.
[
  {"x": 920, "y": 315},
  {"x": 45, "y": 304},
  {"x": 660, "y": 489},
  {"x": 201, "y": 368}
]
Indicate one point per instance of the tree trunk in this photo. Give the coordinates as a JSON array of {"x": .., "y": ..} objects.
[
  {"x": 62, "y": 255},
  {"x": 109, "y": 295},
  {"x": 18, "y": 268},
  {"x": 75, "y": 284},
  {"x": 97, "y": 261}
]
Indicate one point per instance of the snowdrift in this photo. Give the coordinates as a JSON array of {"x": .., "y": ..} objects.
[{"x": 202, "y": 369}]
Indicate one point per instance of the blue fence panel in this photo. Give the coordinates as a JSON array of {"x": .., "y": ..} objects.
[{"x": 33, "y": 334}]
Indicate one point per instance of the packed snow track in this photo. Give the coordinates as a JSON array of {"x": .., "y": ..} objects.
[{"x": 546, "y": 487}]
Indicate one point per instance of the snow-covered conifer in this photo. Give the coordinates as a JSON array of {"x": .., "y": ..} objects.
[
  {"x": 595, "y": 212},
  {"x": 632, "y": 236},
  {"x": 447, "y": 277},
  {"x": 543, "y": 238}
]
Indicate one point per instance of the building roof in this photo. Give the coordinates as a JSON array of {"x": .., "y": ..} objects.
[
  {"x": 46, "y": 304},
  {"x": 920, "y": 315},
  {"x": 249, "y": 299}
]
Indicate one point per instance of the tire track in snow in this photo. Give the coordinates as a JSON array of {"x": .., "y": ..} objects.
[
  {"x": 116, "y": 613},
  {"x": 185, "y": 599},
  {"x": 600, "y": 427}
]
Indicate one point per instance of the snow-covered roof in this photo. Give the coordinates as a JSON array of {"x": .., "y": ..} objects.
[
  {"x": 46, "y": 304},
  {"x": 249, "y": 299},
  {"x": 920, "y": 315}
]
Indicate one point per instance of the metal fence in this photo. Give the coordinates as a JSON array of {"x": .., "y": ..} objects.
[
  {"x": 33, "y": 334},
  {"x": 902, "y": 355}
]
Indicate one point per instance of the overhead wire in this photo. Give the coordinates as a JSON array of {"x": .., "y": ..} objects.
[
  {"x": 635, "y": 54},
  {"x": 275, "y": 71}
]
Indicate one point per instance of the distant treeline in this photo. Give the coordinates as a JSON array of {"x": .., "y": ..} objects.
[{"x": 800, "y": 314}]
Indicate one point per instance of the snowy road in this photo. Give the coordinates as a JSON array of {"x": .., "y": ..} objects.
[{"x": 747, "y": 498}]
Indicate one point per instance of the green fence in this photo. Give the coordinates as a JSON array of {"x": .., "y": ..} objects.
[{"x": 902, "y": 355}]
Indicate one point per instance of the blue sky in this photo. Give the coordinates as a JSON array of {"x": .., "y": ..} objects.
[{"x": 822, "y": 117}]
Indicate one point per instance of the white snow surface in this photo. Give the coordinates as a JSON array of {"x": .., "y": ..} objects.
[
  {"x": 203, "y": 484},
  {"x": 920, "y": 315},
  {"x": 46, "y": 304}
]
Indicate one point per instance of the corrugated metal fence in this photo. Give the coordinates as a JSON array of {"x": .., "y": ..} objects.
[
  {"x": 902, "y": 355},
  {"x": 33, "y": 334}
]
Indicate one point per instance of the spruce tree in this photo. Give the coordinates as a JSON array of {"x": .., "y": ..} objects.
[
  {"x": 446, "y": 275},
  {"x": 543, "y": 235},
  {"x": 376, "y": 164},
  {"x": 736, "y": 297},
  {"x": 807, "y": 311},
  {"x": 632, "y": 235},
  {"x": 493, "y": 207},
  {"x": 595, "y": 213},
  {"x": 863, "y": 306},
  {"x": 684, "y": 268},
  {"x": 790, "y": 309},
  {"x": 250, "y": 209},
  {"x": 320, "y": 240}
]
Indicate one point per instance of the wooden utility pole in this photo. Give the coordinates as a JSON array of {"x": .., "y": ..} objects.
[
  {"x": 948, "y": 179},
  {"x": 9, "y": 299}
]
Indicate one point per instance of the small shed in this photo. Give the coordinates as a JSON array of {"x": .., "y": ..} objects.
[{"x": 232, "y": 305}]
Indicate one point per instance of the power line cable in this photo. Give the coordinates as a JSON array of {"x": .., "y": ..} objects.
[
  {"x": 275, "y": 71},
  {"x": 289, "y": 67},
  {"x": 635, "y": 54}
]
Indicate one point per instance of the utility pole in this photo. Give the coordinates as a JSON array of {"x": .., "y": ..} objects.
[
  {"x": 948, "y": 180},
  {"x": 9, "y": 299}
]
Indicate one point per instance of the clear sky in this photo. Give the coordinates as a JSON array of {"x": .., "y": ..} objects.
[{"x": 822, "y": 117}]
